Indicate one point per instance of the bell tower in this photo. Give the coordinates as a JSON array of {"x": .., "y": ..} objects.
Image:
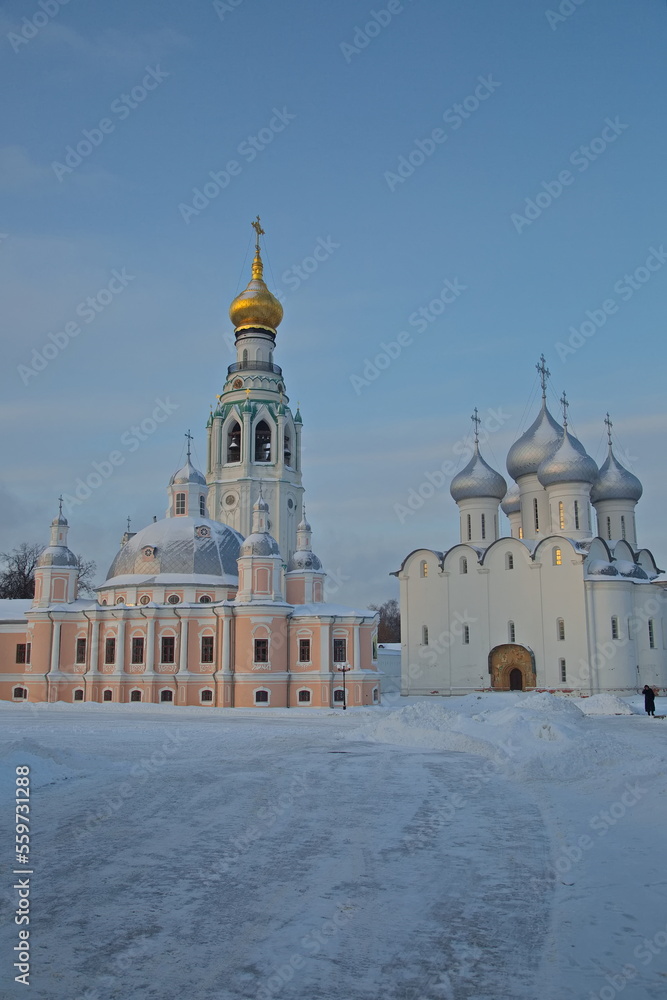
[{"x": 254, "y": 440}]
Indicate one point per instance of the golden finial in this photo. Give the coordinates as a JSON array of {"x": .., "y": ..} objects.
[
  {"x": 257, "y": 266},
  {"x": 247, "y": 393}
]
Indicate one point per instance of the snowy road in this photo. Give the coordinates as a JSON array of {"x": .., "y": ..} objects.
[{"x": 182, "y": 855}]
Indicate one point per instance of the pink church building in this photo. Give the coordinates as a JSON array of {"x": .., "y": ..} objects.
[{"x": 220, "y": 603}]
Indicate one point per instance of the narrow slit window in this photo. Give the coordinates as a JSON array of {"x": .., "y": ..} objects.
[{"x": 511, "y": 632}]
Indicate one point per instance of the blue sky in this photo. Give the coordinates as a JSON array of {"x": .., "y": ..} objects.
[{"x": 578, "y": 96}]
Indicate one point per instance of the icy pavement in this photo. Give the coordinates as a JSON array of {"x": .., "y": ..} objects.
[{"x": 473, "y": 849}]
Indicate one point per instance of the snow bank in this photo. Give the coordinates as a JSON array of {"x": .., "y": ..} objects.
[{"x": 604, "y": 704}]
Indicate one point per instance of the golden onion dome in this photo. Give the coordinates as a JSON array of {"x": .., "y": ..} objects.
[{"x": 256, "y": 306}]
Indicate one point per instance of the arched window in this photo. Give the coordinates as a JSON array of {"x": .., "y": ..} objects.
[
  {"x": 339, "y": 695},
  {"x": 166, "y": 696},
  {"x": 78, "y": 695},
  {"x": 108, "y": 695},
  {"x": 651, "y": 634},
  {"x": 423, "y": 569},
  {"x": 304, "y": 697},
  {"x": 234, "y": 442},
  {"x": 561, "y": 515},
  {"x": 536, "y": 514},
  {"x": 424, "y": 635},
  {"x": 469, "y": 527},
  {"x": 509, "y": 561},
  {"x": 202, "y": 506},
  {"x": 622, "y": 525},
  {"x": 511, "y": 632},
  {"x": 614, "y": 627},
  {"x": 135, "y": 696},
  {"x": 245, "y": 357},
  {"x": 463, "y": 564},
  {"x": 262, "y": 442},
  {"x": 180, "y": 503},
  {"x": 376, "y": 695},
  {"x": 466, "y": 635},
  {"x": 520, "y": 532},
  {"x": 560, "y": 629},
  {"x": 20, "y": 693},
  {"x": 287, "y": 451},
  {"x": 261, "y": 697},
  {"x": 558, "y": 557},
  {"x": 609, "y": 528},
  {"x": 483, "y": 525},
  {"x": 206, "y": 695},
  {"x": 576, "y": 515}
]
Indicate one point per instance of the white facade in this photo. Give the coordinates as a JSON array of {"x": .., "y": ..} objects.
[{"x": 549, "y": 606}]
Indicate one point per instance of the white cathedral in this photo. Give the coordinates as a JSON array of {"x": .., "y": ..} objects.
[{"x": 553, "y": 606}]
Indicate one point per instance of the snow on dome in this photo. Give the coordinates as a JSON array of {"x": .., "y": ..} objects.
[
  {"x": 537, "y": 443},
  {"x": 511, "y": 503},
  {"x": 304, "y": 559},
  {"x": 569, "y": 463},
  {"x": 615, "y": 482},
  {"x": 627, "y": 568},
  {"x": 180, "y": 545},
  {"x": 188, "y": 474},
  {"x": 598, "y": 567},
  {"x": 478, "y": 479},
  {"x": 57, "y": 555}
]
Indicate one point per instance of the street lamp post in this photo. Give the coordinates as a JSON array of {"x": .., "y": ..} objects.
[{"x": 343, "y": 669}]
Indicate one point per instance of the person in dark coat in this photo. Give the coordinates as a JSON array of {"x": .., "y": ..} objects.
[{"x": 649, "y": 700}]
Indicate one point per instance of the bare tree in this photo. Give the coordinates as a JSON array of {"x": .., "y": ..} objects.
[
  {"x": 389, "y": 629},
  {"x": 17, "y": 579}
]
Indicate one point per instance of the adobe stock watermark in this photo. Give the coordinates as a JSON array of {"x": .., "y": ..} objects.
[
  {"x": 130, "y": 440},
  {"x": 364, "y": 34},
  {"x": 438, "y": 478},
  {"x": 454, "y": 116},
  {"x": 566, "y": 9},
  {"x": 249, "y": 149},
  {"x": 222, "y": 7},
  {"x": 624, "y": 288},
  {"x": 122, "y": 107},
  {"x": 31, "y": 26},
  {"x": 87, "y": 310},
  {"x": 582, "y": 158},
  {"x": 419, "y": 320}
]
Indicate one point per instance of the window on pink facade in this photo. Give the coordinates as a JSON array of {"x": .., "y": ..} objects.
[
  {"x": 137, "y": 649},
  {"x": 110, "y": 650},
  {"x": 340, "y": 650},
  {"x": 261, "y": 650},
  {"x": 80, "y": 650},
  {"x": 304, "y": 650},
  {"x": 168, "y": 649},
  {"x": 207, "y": 649}
]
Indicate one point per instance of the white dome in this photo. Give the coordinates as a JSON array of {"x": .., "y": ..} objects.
[
  {"x": 181, "y": 546},
  {"x": 188, "y": 474}
]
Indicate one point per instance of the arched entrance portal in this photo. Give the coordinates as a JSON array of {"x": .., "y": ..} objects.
[
  {"x": 516, "y": 680},
  {"x": 512, "y": 668}
]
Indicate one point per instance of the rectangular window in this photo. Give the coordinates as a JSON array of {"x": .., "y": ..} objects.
[
  {"x": 110, "y": 650},
  {"x": 168, "y": 650},
  {"x": 202, "y": 506},
  {"x": 469, "y": 524},
  {"x": 28, "y": 651},
  {"x": 622, "y": 525},
  {"x": 561, "y": 515},
  {"x": 483, "y": 525},
  {"x": 563, "y": 671},
  {"x": 651, "y": 634},
  {"x": 180, "y": 503},
  {"x": 207, "y": 649},
  {"x": 80, "y": 650},
  {"x": 560, "y": 630},
  {"x": 138, "y": 649},
  {"x": 261, "y": 650},
  {"x": 340, "y": 650},
  {"x": 304, "y": 650},
  {"x": 614, "y": 627},
  {"x": 536, "y": 514},
  {"x": 424, "y": 635},
  {"x": 466, "y": 635},
  {"x": 20, "y": 652},
  {"x": 511, "y": 632},
  {"x": 576, "y": 514}
]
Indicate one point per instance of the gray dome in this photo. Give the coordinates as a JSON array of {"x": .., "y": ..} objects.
[
  {"x": 304, "y": 560},
  {"x": 188, "y": 474},
  {"x": 537, "y": 443},
  {"x": 569, "y": 463},
  {"x": 260, "y": 543},
  {"x": 180, "y": 545},
  {"x": 477, "y": 480},
  {"x": 57, "y": 555},
  {"x": 598, "y": 567},
  {"x": 615, "y": 482},
  {"x": 511, "y": 501}
]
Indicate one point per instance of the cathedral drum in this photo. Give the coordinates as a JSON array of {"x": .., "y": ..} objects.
[{"x": 512, "y": 668}]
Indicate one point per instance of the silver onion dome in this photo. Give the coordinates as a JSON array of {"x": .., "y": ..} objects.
[
  {"x": 569, "y": 463},
  {"x": 180, "y": 546},
  {"x": 511, "y": 503},
  {"x": 57, "y": 555},
  {"x": 534, "y": 445},
  {"x": 477, "y": 480},
  {"x": 304, "y": 559},
  {"x": 260, "y": 543},
  {"x": 615, "y": 482},
  {"x": 188, "y": 474}
]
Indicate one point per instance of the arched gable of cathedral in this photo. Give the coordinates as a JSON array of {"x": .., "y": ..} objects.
[{"x": 499, "y": 550}]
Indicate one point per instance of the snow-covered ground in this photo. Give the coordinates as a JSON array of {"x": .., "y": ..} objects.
[{"x": 492, "y": 847}]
